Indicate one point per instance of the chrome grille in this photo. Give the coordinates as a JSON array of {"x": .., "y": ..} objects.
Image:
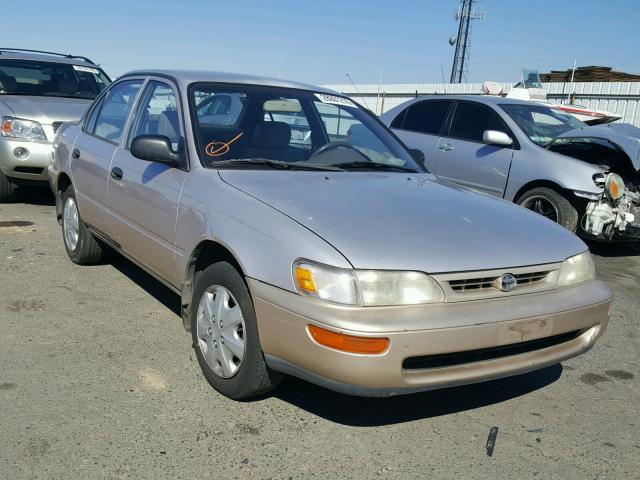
[
  {"x": 472, "y": 283},
  {"x": 56, "y": 126},
  {"x": 482, "y": 283}
]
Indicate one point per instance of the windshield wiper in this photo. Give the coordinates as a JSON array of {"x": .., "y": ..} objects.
[
  {"x": 375, "y": 166},
  {"x": 276, "y": 164}
]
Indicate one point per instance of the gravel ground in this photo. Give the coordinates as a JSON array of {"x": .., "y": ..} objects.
[{"x": 98, "y": 380}]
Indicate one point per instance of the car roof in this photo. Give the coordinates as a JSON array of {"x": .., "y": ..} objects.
[
  {"x": 480, "y": 98},
  {"x": 185, "y": 77},
  {"x": 37, "y": 55}
]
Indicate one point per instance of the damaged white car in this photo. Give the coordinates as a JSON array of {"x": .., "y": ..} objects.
[{"x": 585, "y": 178}]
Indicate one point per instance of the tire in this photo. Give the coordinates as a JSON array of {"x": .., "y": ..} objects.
[
  {"x": 244, "y": 373},
  {"x": 7, "y": 189},
  {"x": 85, "y": 250},
  {"x": 552, "y": 205}
]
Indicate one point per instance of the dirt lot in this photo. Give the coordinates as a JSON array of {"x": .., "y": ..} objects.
[{"x": 98, "y": 380}]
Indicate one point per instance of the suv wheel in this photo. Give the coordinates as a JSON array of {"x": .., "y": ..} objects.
[
  {"x": 225, "y": 334},
  {"x": 551, "y": 204},
  {"x": 7, "y": 188},
  {"x": 81, "y": 246}
]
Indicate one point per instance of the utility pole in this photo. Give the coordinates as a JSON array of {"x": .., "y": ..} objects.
[{"x": 462, "y": 40}]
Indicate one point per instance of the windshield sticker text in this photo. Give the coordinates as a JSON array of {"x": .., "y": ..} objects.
[
  {"x": 80, "y": 68},
  {"x": 334, "y": 99}
]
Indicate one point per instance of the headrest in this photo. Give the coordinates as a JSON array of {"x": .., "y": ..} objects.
[{"x": 271, "y": 135}]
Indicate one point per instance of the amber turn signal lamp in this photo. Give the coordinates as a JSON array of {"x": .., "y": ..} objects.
[
  {"x": 305, "y": 280},
  {"x": 348, "y": 343}
]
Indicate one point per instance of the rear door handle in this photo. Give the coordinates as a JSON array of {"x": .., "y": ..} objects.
[
  {"x": 446, "y": 147},
  {"x": 116, "y": 173},
  {"x": 75, "y": 154}
]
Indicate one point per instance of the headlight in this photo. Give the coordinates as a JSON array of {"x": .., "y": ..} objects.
[
  {"x": 365, "y": 287},
  {"x": 576, "y": 269},
  {"x": 614, "y": 186},
  {"x": 19, "y": 128}
]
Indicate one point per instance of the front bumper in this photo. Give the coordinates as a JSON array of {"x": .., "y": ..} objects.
[
  {"x": 31, "y": 168},
  {"x": 422, "y": 332}
]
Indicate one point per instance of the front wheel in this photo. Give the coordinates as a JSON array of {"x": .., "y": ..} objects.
[
  {"x": 225, "y": 334},
  {"x": 551, "y": 204}
]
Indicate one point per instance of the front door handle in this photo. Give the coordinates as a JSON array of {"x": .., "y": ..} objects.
[
  {"x": 116, "y": 173},
  {"x": 446, "y": 147},
  {"x": 75, "y": 154}
]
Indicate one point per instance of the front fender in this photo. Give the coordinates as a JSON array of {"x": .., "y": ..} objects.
[
  {"x": 542, "y": 165},
  {"x": 264, "y": 241}
]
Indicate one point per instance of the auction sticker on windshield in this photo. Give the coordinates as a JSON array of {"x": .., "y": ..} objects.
[
  {"x": 334, "y": 99},
  {"x": 80, "y": 68}
]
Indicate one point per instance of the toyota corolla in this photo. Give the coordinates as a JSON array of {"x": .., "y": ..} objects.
[{"x": 332, "y": 256}]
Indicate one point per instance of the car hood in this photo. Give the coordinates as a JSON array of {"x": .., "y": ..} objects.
[
  {"x": 44, "y": 110},
  {"x": 409, "y": 222},
  {"x": 625, "y": 135}
]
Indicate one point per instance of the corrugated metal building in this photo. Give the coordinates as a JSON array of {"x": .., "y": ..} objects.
[{"x": 619, "y": 97}]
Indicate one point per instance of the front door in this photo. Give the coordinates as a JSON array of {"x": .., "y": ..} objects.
[
  {"x": 143, "y": 195},
  {"x": 462, "y": 156}
]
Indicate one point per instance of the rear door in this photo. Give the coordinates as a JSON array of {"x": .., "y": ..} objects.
[
  {"x": 462, "y": 156},
  {"x": 143, "y": 195},
  {"x": 420, "y": 125},
  {"x": 94, "y": 148}
]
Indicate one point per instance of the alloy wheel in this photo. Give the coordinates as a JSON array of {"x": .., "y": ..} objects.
[{"x": 543, "y": 206}]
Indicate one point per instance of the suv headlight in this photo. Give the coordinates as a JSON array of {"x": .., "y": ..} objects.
[
  {"x": 19, "y": 128},
  {"x": 365, "y": 287},
  {"x": 577, "y": 269}
]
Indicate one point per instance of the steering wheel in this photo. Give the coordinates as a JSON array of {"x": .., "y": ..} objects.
[{"x": 334, "y": 145}]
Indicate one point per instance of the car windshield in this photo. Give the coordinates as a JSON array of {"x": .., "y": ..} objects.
[
  {"x": 248, "y": 126},
  {"x": 50, "y": 79},
  {"x": 541, "y": 124}
]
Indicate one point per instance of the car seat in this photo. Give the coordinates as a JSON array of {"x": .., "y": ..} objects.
[{"x": 271, "y": 140}]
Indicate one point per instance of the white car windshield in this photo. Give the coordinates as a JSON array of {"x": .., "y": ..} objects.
[
  {"x": 253, "y": 126},
  {"x": 541, "y": 124}
]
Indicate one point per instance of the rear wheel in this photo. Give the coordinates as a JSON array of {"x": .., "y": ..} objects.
[
  {"x": 551, "y": 204},
  {"x": 81, "y": 246},
  {"x": 225, "y": 334},
  {"x": 7, "y": 189}
]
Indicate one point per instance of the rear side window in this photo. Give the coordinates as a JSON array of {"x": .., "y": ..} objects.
[
  {"x": 114, "y": 110},
  {"x": 426, "y": 117},
  {"x": 471, "y": 119}
]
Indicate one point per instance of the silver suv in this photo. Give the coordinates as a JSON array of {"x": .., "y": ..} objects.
[{"x": 38, "y": 92}]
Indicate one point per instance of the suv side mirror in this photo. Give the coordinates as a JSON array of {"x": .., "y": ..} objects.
[
  {"x": 495, "y": 137},
  {"x": 155, "y": 148}
]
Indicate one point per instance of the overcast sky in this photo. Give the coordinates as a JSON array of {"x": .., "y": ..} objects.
[{"x": 321, "y": 41}]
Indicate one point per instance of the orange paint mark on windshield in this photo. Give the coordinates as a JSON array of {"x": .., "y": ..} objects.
[{"x": 216, "y": 149}]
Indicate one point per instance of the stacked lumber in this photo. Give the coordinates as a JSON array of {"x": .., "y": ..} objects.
[{"x": 589, "y": 74}]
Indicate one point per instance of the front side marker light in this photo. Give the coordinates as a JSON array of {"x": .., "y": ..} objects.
[
  {"x": 348, "y": 343},
  {"x": 304, "y": 278}
]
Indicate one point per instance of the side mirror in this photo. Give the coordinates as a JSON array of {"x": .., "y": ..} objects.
[
  {"x": 418, "y": 155},
  {"x": 155, "y": 148},
  {"x": 495, "y": 137}
]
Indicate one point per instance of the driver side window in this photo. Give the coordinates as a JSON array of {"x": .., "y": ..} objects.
[{"x": 157, "y": 114}]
